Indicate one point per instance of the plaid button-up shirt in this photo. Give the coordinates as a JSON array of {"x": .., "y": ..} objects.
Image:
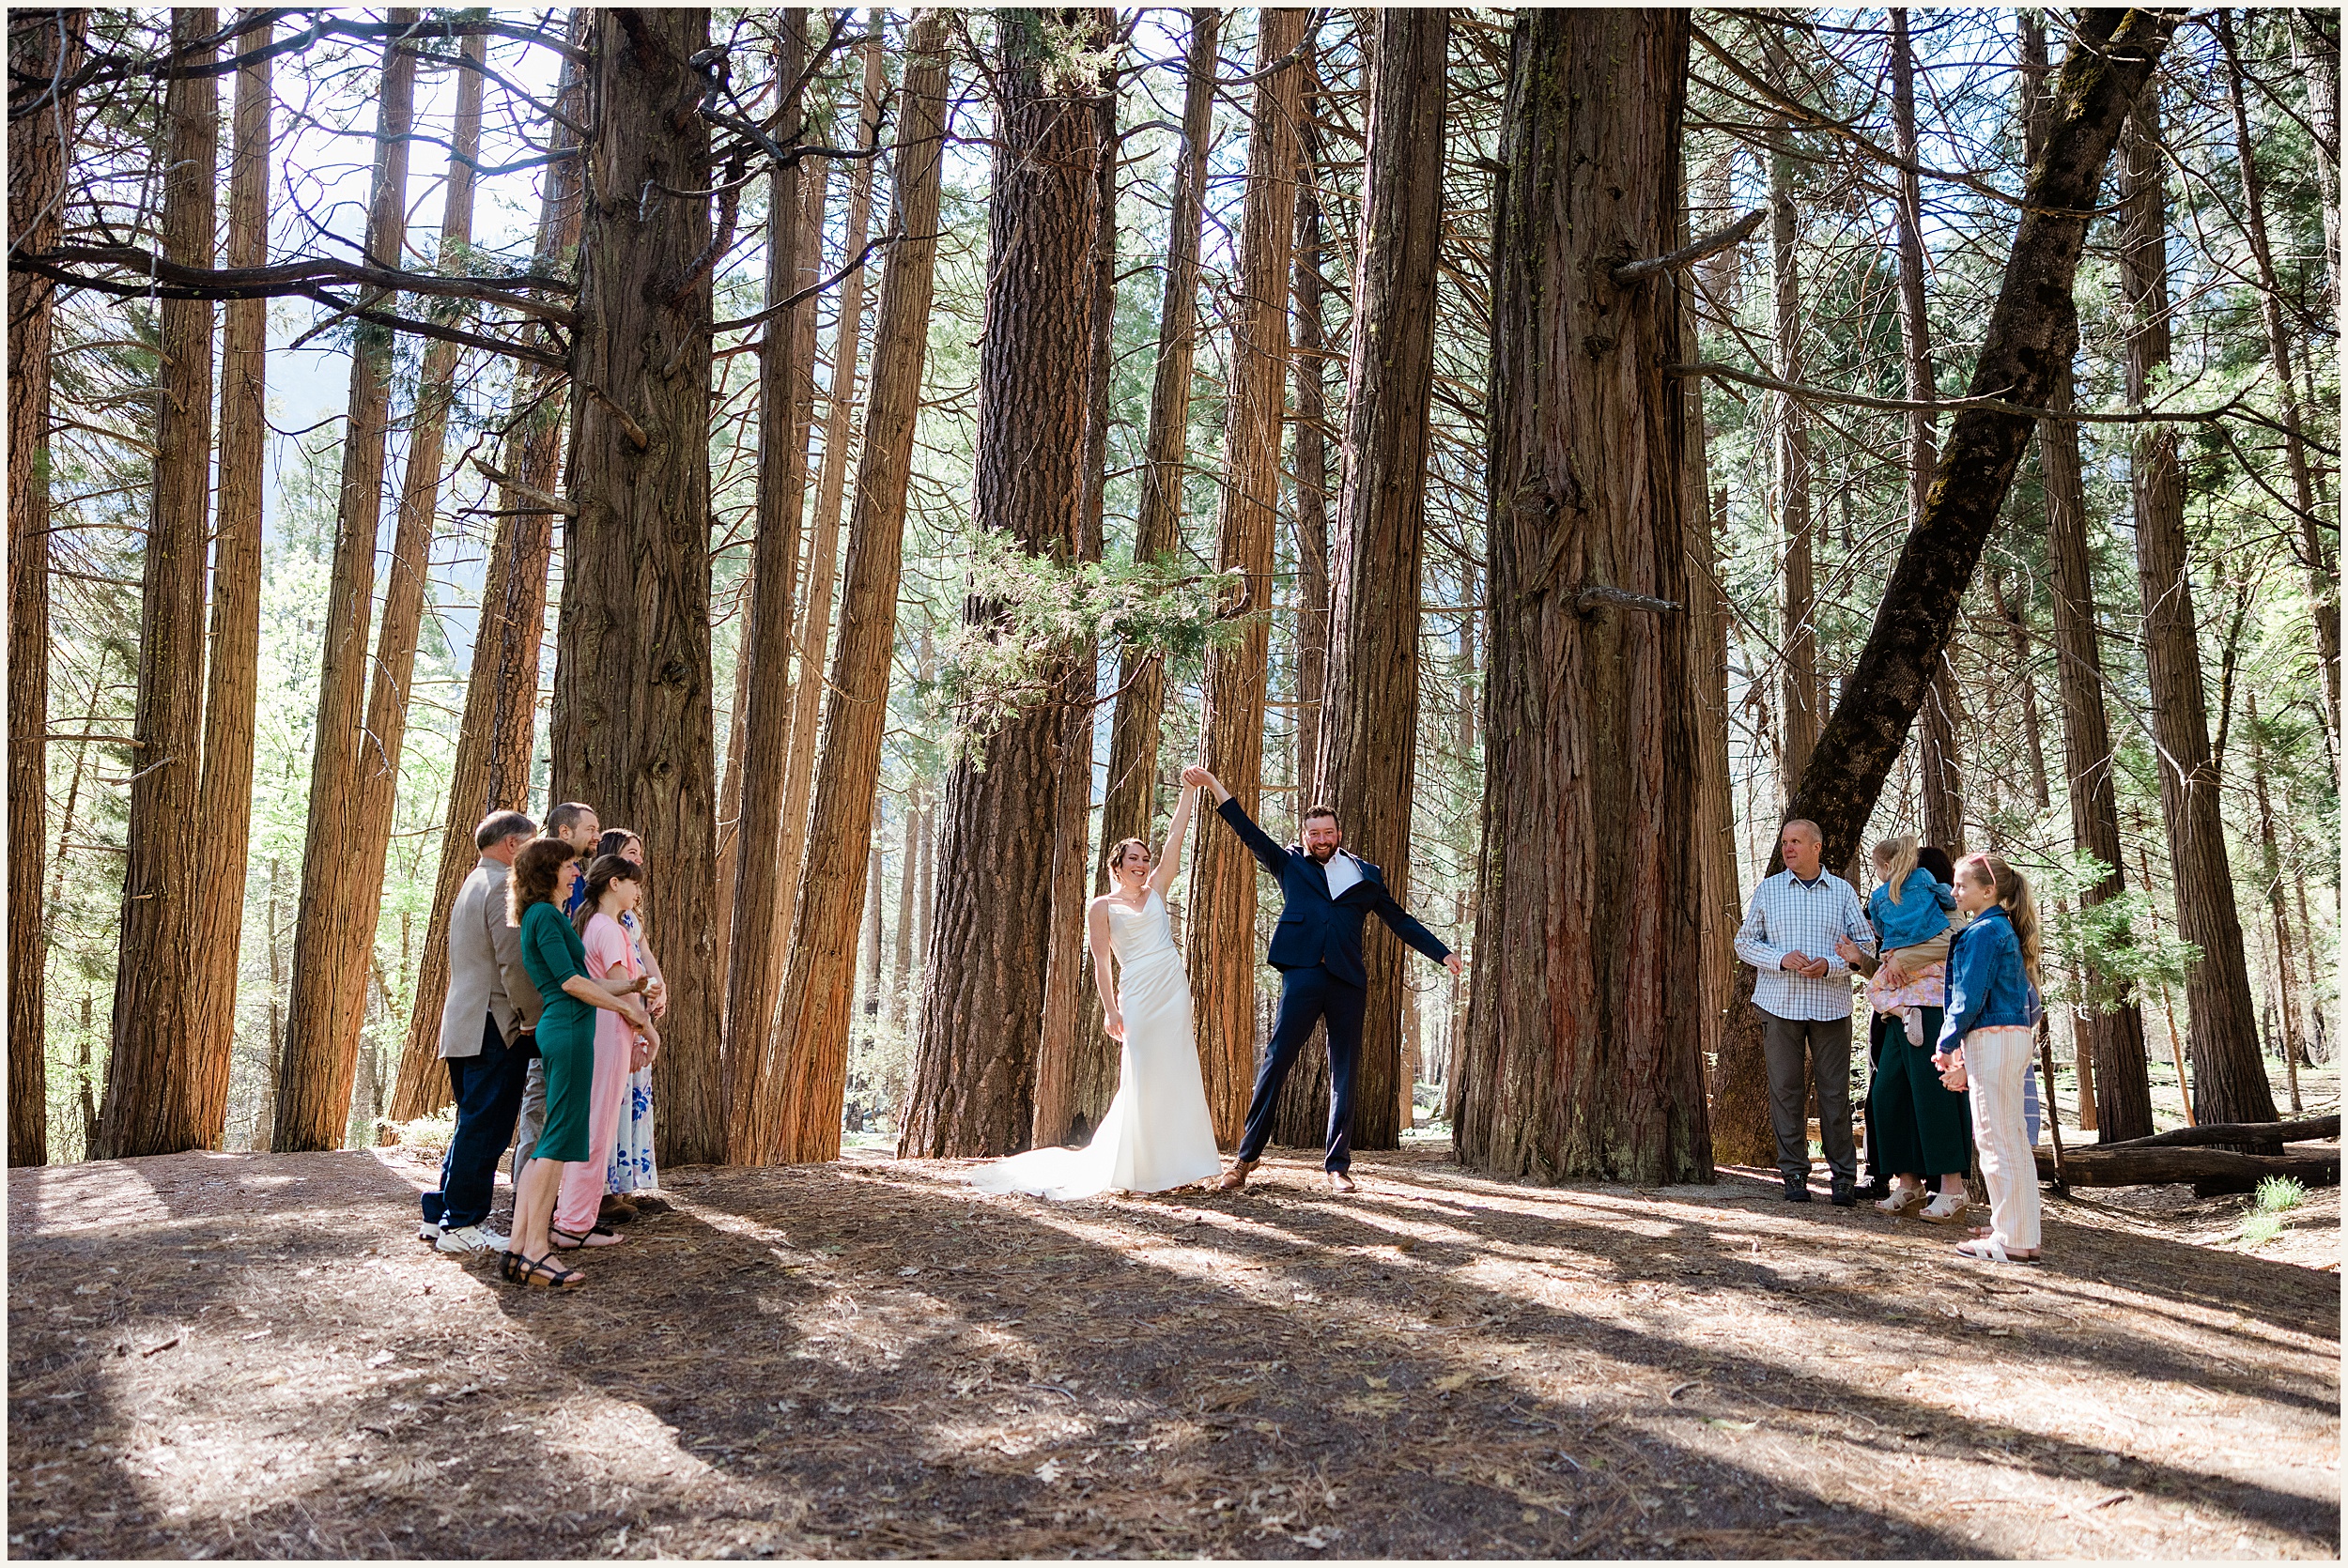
[{"x": 1791, "y": 915}]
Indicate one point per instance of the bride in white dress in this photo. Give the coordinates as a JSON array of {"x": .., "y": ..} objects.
[{"x": 1156, "y": 1133}]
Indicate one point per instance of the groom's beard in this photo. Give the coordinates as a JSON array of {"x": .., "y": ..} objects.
[{"x": 1325, "y": 856}]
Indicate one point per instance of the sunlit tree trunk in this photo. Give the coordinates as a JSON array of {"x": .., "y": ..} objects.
[
  {"x": 1791, "y": 423},
  {"x": 819, "y": 975},
  {"x": 982, "y": 1006},
  {"x": 332, "y": 938},
  {"x": 2229, "y": 1076},
  {"x": 1584, "y": 1050},
  {"x": 42, "y": 45},
  {"x": 1220, "y": 912},
  {"x": 151, "y": 1104},
  {"x": 632, "y": 732}
]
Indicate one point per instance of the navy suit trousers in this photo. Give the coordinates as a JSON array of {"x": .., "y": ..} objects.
[
  {"x": 1309, "y": 997},
  {"x": 488, "y": 1092}
]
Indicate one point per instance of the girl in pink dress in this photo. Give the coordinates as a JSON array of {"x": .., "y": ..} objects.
[{"x": 614, "y": 886}]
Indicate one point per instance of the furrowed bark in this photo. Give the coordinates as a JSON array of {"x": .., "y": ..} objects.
[
  {"x": 632, "y": 717},
  {"x": 1220, "y": 912},
  {"x": 982, "y": 1007},
  {"x": 150, "y": 1100},
  {"x": 1584, "y": 1050},
  {"x": 819, "y": 977},
  {"x": 41, "y": 45}
]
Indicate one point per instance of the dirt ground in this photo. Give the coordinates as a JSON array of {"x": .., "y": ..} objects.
[{"x": 242, "y": 1355}]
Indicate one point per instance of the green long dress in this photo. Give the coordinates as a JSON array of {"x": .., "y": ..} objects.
[{"x": 552, "y": 953}]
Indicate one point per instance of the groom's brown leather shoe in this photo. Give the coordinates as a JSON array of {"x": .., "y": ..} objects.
[
  {"x": 1236, "y": 1178},
  {"x": 1341, "y": 1182}
]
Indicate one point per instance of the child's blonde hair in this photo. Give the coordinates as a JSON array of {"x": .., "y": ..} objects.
[
  {"x": 1897, "y": 856},
  {"x": 2013, "y": 893}
]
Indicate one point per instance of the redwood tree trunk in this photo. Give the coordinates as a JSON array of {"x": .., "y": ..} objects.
[
  {"x": 491, "y": 769},
  {"x": 1369, "y": 722},
  {"x": 1220, "y": 914},
  {"x": 2229, "y": 1076},
  {"x": 1791, "y": 421},
  {"x": 1076, "y": 1062},
  {"x": 819, "y": 977},
  {"x": 1311, "y": 374},
  {"x": 225, "y": 804},
  {"x": 1129, "y": 809},
  {"x": 41, "y": 45},
  {"x": 2271, "y": 873},
  {"x": 983, "y": 1010},
  {"x": 333, "y": 940},
  {"x": 632, "y": 718},
  {"x": 150, "y": 1105},
  {"x": 1584, "y": 1047},
  {"x": 2033, "y": 331},
  {"x": 754, "y": 957}
]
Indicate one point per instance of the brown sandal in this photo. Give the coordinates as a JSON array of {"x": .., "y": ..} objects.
[{"x": 544, "y": 1272}]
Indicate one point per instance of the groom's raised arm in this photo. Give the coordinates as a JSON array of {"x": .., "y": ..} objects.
[{"x": 1274, "y": 857}]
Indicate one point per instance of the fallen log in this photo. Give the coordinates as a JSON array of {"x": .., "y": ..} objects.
[
  {"x": 2309, "y": 1129},
  {"x": 2210, "y": 1170}
]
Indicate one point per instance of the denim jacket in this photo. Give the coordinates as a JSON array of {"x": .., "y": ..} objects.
[
  {"x": 1921, "y": 914},
  {"x": 1987, "y": 985}
]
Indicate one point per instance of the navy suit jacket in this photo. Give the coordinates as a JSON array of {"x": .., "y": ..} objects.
[{"x": 1314, "y": 929}]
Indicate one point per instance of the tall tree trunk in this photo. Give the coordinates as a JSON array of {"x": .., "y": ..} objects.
[
  {"x": 819, "y": 977},
  {"x": 2271, "y": 873},
  {"x": 491, "y": 769},
  {"x": 2017, "y": 626},
  {"x": 1944, "y": 811},
  {"x": 1584, "y": 1055},
  {"x": 632, "y": 717},
  {"x": 754, "y": 957},
  {"x": 1369, "y": 724},
  {"x": 1220, "y": 912},
  {"x": 42, "y": 46},
  {"x": 982, "y": 1011},
  {"x": 874, "y": 872},
  {"x": 1312, "y": 472},
  {"x": 816, "y": 613},
  {"x": 331, "y": 939},
  {"x": 2115, "y": 1031},
  {"x": 150, "y": 1105},
  {"x": 2229, "y": 1077},
  {"x": 2322, "y": 567},
  {"x": 1791, "y": 423},
  {"x": 2031, "y": 333},
  {"x": 225, "y": 796},
  {"x": 1076, "y": 1062},
  {"x": 893, "y": 998},
  {"x": 2315, "y": 54},
  {"x": 1128, "y": 810}
]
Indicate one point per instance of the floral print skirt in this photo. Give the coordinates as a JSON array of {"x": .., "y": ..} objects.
[{"x": 631, "y": 1168}]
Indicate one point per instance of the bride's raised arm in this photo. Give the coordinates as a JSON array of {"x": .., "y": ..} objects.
[{"x": 1170, "y": 859}]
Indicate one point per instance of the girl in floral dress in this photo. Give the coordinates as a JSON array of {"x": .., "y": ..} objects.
[{"x": 631, "y": 1169}]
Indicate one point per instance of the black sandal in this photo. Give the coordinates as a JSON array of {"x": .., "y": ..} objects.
[
  {"x": 571, "y": 1242},
  {"x": 544, "y": 1272}
]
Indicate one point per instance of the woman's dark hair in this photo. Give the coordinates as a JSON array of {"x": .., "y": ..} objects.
[
  {"x": 1116, "y": 856},
  {"x": 537, "y": 872},
  {"x": 612, "y": 838},
  {"x": 607, "y": 869},
  {"x": 1935, "y": 859}
]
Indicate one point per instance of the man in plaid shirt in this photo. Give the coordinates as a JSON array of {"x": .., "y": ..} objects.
[{"x": 1803, "y": 991}]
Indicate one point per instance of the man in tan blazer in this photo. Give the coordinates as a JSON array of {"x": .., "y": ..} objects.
[{"x": 486, "y": 1028}]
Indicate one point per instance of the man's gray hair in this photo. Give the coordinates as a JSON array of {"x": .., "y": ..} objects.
[
  {"x": 498, "y": 826},
  {"x": 1804, "y": 822}
]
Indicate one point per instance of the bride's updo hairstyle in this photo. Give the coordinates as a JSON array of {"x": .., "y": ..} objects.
[{"x": 1116, "y": 856}]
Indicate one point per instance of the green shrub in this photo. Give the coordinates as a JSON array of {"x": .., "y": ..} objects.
[
  {"x": 426, "y": 1134},
  {"x": 2259, "y": 1229}
]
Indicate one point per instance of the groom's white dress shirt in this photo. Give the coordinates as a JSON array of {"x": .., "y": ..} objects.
[{"x": 1343, "y": 873}]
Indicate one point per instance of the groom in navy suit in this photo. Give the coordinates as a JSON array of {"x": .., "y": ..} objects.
[{"x": 1317, "y": 946}]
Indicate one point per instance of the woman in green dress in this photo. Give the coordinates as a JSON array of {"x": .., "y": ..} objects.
[{"x": 557, "y": 965}]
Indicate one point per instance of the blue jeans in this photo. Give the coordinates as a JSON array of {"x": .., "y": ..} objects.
[
  {"x": 488, "y": 1091},
  {"x": 1307, "y": 996}
]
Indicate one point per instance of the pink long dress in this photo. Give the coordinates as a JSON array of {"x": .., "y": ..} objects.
[{"x": 610, "y": 955}]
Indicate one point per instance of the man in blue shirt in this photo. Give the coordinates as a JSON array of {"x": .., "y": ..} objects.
[{"x": 1803, "y": 991}]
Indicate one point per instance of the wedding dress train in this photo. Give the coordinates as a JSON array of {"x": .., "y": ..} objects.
[{"x": 1156, "y": 1133}]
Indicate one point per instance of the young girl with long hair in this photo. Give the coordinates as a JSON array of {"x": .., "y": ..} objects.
[{"x": 1987, "y": 1042}]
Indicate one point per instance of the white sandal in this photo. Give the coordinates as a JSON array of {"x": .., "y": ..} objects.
[
  {"x": 1945, "y": 1208},
  {"x": 1904, "y": 1198},
  {"x": 1988, "y": 1248}
]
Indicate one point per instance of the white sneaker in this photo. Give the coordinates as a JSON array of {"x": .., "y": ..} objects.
[
  {"x": 428, "y": 1232},
  {"x": 471, "y": 1238}
]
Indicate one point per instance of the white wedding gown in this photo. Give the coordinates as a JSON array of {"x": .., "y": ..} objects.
[{"x": 1156, "y": 1132}]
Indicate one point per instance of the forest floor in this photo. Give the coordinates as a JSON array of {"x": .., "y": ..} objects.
[{"x": 250, "y": 1355}]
